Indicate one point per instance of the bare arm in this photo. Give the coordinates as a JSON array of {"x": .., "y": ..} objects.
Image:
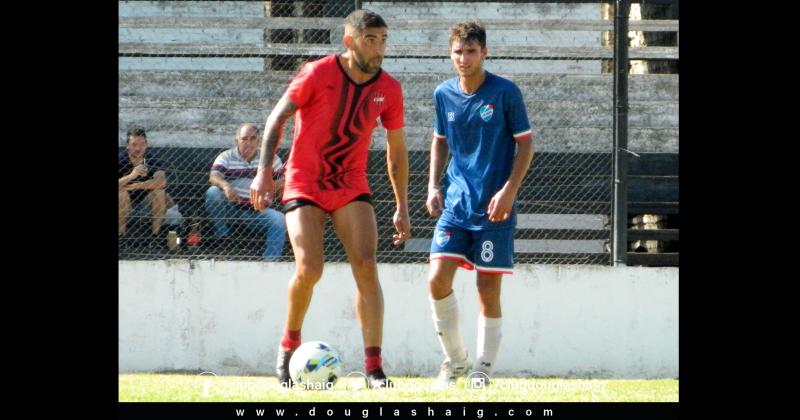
[
  {"x": 503, "y": 201},
  {"x": 138, "y": 171},
  {"x": 273, "y": 132},
  {"x": 440, "y": 152},
  {"x": 397, "y": 166},
  {"x": 522, "y": 162},
  {"x": 158, "y": 182},
  {"x": 218, "y": 180},
  {"x": 262, "y": 188},
  {"x": 125, "y": 180}
]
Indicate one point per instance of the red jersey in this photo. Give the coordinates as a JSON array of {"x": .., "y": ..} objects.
[{"x": 333, "y": 131}]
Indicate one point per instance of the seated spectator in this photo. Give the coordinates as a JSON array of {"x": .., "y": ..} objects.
[
  {"x": 142, "y": 183},
  {"x": 228, "y": 198}
]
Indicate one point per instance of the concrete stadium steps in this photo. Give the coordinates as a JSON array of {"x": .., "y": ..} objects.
[
  {"x": 416, "y": 86},
  {"x": 416, "y": 15},
  {"x": 418, "y": 138},
  {"x": 393, "y": 65},
  {"x": 561, "y": 191},
  {"x": 486, "y": 10},
  {"x": 547, "y": 188},
  {"x": 543, "y": 113},
  {"x": 191, "y": 8},
  {"x": 411, "y": 10},
  {"x": 191, "y": 72},
  {"x": 524, "y": 51},
  {"x": 570, "y": 112},
  {"x": 197, "y": 35},
  {"x": 395, "y": 25},
  {"x": 423, "y": 230},
  {"x": 210, "y": 33}
]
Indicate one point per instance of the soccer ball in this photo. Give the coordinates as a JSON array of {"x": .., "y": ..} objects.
[{"x": 315, "y": 365}]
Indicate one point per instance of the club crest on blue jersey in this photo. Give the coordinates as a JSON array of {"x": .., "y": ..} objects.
[
  {"x": 486, "y": 112},
  {"x": 442, "y": 237}
]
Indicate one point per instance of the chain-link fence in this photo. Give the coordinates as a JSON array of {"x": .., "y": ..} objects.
[{"x": 192, "y": 72}]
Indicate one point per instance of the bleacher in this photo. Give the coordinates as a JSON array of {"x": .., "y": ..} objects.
[{"x": 191, "y": 72}]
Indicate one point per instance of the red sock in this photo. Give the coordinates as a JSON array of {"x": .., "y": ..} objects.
[
  {"x": 291, "y": 340},
  {"x": 372, "y": 361}
]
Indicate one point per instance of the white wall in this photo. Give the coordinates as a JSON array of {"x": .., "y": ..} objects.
[{"x": 564, "y": 321}]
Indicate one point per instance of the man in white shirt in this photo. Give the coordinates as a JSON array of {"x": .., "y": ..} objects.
[{"x": 228, "y": 198}]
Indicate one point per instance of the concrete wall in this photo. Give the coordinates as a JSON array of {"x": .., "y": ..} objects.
[{"x": 565, "y": 321}]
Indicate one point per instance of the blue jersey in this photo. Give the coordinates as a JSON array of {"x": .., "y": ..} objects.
[{"x": 481, "y": 131}]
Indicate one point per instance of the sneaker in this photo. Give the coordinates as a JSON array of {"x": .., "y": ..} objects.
[
  {"x": 377, "y": 379},
  {"x": 284, "y": 357},
  {"x": 449, "y": 373}
]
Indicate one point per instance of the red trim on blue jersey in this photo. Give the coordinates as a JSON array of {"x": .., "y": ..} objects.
[{"x": 524, "y": 135}]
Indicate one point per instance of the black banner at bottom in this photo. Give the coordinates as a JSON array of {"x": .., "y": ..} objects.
[{"x": 416, "y": 410}]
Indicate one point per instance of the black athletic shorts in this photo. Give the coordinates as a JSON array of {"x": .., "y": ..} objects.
[{"x": 300, "y": 202}]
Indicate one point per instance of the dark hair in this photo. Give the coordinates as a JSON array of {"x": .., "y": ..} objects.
[
  {"x": 362, "y": 19},
  {"x": 467, "y": 32},
  {"x": 135, "y": 132}
]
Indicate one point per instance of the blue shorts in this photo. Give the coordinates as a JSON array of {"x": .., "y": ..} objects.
[{"x": 487, "y": 251}]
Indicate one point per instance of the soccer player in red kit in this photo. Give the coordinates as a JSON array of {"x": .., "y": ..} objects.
[{"x": 338, "y": 100}]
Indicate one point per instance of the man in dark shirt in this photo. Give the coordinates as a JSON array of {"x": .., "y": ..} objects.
[{"x": 141, "y": 181}]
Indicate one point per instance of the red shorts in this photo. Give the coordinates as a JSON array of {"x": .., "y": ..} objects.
[{"x": 328, "y": 200}]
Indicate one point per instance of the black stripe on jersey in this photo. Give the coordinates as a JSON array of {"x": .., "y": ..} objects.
[
  {"x": 335, "y": 151},
  {"x": 334, "y": 139},
  {"x": 337, "y": 154}
]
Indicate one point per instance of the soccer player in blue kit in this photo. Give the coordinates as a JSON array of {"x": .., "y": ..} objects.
[{"x": 480, "y": 120}]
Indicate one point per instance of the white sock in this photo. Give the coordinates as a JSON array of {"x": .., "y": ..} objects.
[
  {"x": 489, "y": 335},
  {"x": 445, "y": 320}
]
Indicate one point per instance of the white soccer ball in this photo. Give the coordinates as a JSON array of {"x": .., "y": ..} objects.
[{"x": 315, "y": 365}]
